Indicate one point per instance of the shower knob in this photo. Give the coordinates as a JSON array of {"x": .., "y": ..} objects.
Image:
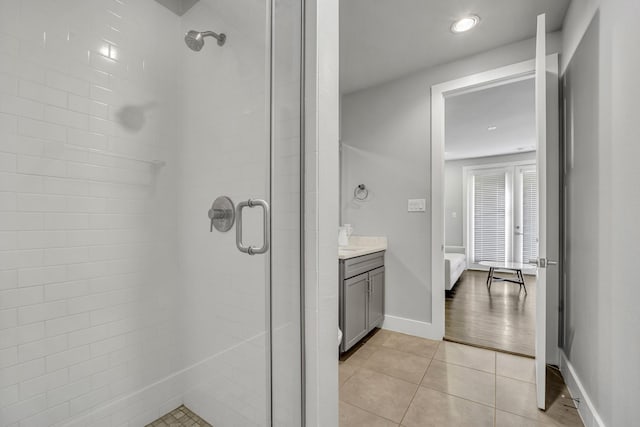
[{"x": 222, "y": 214}]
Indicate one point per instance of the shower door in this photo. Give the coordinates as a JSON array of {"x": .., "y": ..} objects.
[
  {"x": 118, "y": 300},
  {"x": 241, "y": 140}
]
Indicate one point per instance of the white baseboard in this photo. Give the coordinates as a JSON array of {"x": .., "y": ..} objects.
[
  {"x": 588, "y": 412},
  {"x": 411, "y": 327}
]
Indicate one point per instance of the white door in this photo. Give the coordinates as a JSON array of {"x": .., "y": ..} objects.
[{"x": 547, "y": 126}]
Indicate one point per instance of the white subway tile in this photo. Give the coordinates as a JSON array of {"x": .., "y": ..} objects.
[
  {"x": 86, "y": 204},
  {"x": 63, "y": 325},
  {"x": 109, "y": 314},
  {"x": 107, "y": 346},
  {"x": 21, "y": 372},
  {"x": 8, "y": 240},
  {"x": 21, "y": 221},
  {"x": 58, "y": 256},
  {"x": 67, "y": 83},
  {"x": 102, "y": 94},
  {"x": 87, "y": 237},
  {"x": 65, "y": 221},
  {"x": 41, "y": 275},
  {"x": 68, "y": 392},
  {"x": 22, "y": 296},
  {"x": 43, "y": 383},
  {"x": 41, "y": 203},
  {"x": 66, "y": 117},
  {"x": 87, "y": 139},
  {"x": 8, "y": 318},
  {"x": 42, "y": 348},
  {"x": 66, "y": 186},
  {"x": 87, "y": 270},
  {"x": 102, "y": 63},
  {"x": 99, "y": 109},
  {"x": 8, "y": 357},
  {"x": 8, "y": 124},
  {"x": 7, "y": 162},
  {"x": 21, "y": 183},
  {"x": 8, "y": 84},
  {"x": 41, "y": 312},
  {"x": 41, "y": 239},
  {"x": 65, "y": 291},
  {"x": 41, "y": 166},
  {"x": 12, "y": 104},
  {"x": 41, "y": 130},
  {"x": 89, "y": 400},
  {"x": 51, "y": 416},
  {"x": 89, "y": 335},
  {"x": 101, "y": 126},
  {"x": 8, "y": 279},
  {"x": 7, "y": 201},
  {"x": 9, "y": 395},
  {"x": 42, "y": 93},
  {"x": 29, "y": 333},
  {"x": 79, "y": 104},
  {"x": 25, "y": 409}
]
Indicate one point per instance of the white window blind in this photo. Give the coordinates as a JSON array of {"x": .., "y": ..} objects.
[
  {"x": 489, "y": 212},
  {"x": 529, "y": 215}
]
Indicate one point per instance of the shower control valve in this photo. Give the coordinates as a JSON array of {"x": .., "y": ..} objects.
[{"x": 222, "y": 214}]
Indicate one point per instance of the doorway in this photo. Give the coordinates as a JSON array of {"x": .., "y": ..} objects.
[{"x": 490, "y": 198}]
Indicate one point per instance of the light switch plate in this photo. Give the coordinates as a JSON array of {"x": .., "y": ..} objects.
[{"x": 417, "y": 205}]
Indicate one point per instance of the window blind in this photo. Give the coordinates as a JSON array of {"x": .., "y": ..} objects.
[
  {"x": 489, "y": 212},
  {"x": 529, "y": 215}
]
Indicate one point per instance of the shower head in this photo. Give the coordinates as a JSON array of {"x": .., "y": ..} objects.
[{"x": 195, "y": 39}]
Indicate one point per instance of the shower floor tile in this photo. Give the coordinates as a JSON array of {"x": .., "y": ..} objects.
[{"x": 180, "y": 417}]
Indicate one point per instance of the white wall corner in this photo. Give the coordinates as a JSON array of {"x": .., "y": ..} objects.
[{"x": 322, "y": 211}]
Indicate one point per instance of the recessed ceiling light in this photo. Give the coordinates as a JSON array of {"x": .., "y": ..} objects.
[
  {"x": 465, "y": 24},
  {"x": 492, "y": 128}
]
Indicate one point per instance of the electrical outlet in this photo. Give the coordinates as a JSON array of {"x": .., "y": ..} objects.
[{"x": 417, "y": 205}]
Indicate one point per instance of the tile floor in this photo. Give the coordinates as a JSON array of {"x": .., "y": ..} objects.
[
  {"x": 180, "y": 417},
  {"x": 393, "y": 380}
]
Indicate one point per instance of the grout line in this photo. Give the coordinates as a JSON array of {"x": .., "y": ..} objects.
[{"x": 368, "y": 411}]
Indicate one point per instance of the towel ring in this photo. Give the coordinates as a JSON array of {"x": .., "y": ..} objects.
[{"x": 360, "y": 192}]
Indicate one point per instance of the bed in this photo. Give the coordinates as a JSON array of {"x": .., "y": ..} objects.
[{"x": 455, "y": 263}]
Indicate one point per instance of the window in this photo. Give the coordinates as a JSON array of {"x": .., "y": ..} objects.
[
  {"x": 502, "y": 222},
  {"x": 489, "y": 216}
]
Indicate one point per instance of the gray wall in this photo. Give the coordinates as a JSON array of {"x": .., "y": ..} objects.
[
  {"x": 454, "y": 194},
  {"x": 386, "y": 145},
  {"x": 602, "y": 338}
]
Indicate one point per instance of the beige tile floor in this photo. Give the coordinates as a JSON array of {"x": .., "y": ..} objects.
[{"x": 393, "y": 380}]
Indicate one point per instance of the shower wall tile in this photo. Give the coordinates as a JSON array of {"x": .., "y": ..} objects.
[{"x": 82, "y": 226}]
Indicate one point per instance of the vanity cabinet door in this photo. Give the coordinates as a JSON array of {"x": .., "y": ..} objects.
[
  {"x": 355, "y": 309},
  {"x": 376, "y": 297}
]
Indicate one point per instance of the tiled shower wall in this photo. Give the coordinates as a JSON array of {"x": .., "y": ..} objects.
[
  {"x": 87, "y": 104},
  {"x": 116, "y": 302}
]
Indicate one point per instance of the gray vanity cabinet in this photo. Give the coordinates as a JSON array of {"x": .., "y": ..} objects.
[{"x": 361, "y": 297}]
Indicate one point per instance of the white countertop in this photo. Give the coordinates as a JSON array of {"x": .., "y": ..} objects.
[{"x": 362, "y": 245}]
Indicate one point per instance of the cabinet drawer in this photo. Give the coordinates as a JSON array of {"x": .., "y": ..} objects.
[{"x": 362, "y": 264}]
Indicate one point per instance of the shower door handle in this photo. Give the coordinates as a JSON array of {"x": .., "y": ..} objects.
[{"x": 252, "y": 250}]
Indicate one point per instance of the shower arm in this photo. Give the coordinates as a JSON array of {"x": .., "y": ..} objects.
[{"x": 220, "y": 37}]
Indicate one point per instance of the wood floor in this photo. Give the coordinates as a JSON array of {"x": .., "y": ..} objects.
[{"x": 502, "y": 319}]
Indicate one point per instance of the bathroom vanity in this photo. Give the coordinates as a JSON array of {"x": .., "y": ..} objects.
[{"x": 361, "y": 292}]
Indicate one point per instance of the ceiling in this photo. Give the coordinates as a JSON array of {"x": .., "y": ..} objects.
[
  {"x": 381, "y": 40},
  {"x": 470, "y": 118}
]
